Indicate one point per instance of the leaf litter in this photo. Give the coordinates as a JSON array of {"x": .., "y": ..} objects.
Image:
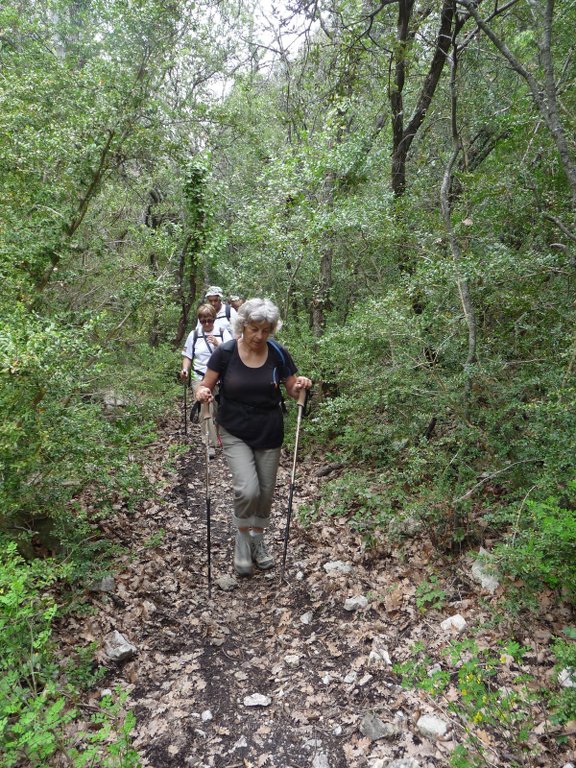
[{"x": 280, "y": 674}]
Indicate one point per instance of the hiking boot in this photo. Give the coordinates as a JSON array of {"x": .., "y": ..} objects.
[
  {"x": 211, "y": 453},
  {"x": 243, "y": 555},
  {"x": 260, "y": 554}
]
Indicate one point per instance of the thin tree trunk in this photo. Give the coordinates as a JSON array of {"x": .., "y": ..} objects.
[
  {"x": 545, "y": 97},
  {"x": 186, "y": 292},
  {"x": 402, "y": 137},
  {"x": 461, "y": 282}
]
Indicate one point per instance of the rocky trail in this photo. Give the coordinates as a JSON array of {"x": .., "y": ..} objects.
[{"x": 293, "y": 674}]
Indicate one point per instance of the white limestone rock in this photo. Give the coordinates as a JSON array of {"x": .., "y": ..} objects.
[
  {"x": 118, "y": 648},
  {"x": 483, "y": 573},
  {"x": 355, "y": 603},
  {"x": 337, "y": 568},
  {"x": 257, "y": 700},
  {"x": 455, "y": 624},
  {"x": 374, "y": 728},
  {"x": 226, "y": 583},
  {"x": 432, "y": 727},
  {"x": 567, "y": 678}
]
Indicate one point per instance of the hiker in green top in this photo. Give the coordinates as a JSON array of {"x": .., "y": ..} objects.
[{"x": 250, "y": 370}]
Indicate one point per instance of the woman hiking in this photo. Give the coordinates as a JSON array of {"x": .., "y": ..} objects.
[
  {"x": 250, "y": 370},
  {"x": 198, "y": 349}
]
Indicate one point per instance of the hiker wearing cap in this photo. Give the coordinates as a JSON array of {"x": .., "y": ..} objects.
[
  {"x": 250, "y": 369},
  {"x": 225, "y": 314},
  {"x": 198, "y": 349},
  {"x": 235, "y": 302}
]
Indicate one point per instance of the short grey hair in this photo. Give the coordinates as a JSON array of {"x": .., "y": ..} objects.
[{"x": 258, "y": 311}]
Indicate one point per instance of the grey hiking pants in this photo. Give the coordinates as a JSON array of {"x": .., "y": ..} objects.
[{"x": 253, "y": 479}]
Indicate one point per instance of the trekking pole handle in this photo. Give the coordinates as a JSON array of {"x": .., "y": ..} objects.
[
  {"x": 205, "y": 411},
  {"x": 302, "y": 401}
]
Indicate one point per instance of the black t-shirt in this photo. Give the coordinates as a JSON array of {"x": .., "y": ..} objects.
[{"x": 249, "y": 406}]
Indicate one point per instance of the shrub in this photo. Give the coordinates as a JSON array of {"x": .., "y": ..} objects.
[
  {"x": 542, "y": 548},
  {"x": 563, "y": 702},
  {"x": 32, "y": 709},
  {"x": 35, "y": 697}
]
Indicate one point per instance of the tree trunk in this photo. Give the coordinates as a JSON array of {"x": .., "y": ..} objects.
[
  {"x": 196, "y": 230},
  {"x": 186, "y": 291},
  {"x": 402, "y": 137},
  {"x": 545, "y": 96},
  {"x": 461, "y": 282}
]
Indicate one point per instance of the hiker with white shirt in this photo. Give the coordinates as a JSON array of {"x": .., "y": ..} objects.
[
  {"x": 198, "y": 349},
  {"x": 225, "y": 314}
]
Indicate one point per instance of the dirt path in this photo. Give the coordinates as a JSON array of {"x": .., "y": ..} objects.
[{"x": 321, "y": 668}]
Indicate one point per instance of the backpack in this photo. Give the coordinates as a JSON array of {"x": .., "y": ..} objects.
[
  {"x": 229, "y": 346},
  {"x": 227, "y": 312},
  {"x": 195, "y": 339}
]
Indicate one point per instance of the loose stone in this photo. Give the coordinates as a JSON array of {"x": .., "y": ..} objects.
[
  {"x": 257, "y": 700},
  {"x": 337, "y": 568},
  {"x": 455, "y": 624},
  {"x": 355, "y": 603},
  {"x": 431, "y": 727},
  {"x": 117, "y": 648}
]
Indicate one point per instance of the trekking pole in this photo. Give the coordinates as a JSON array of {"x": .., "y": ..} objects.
[
  {"x": 302, "y": 399},
  {"x": 185, "y": 407},
  {"x": 206, "y": 415}
]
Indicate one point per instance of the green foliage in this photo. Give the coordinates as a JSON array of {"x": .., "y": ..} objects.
[
  {"x": 542, "y": 547},
  {"x": 563, "y": 702},
  {"x": 482, "y": 696},
  {"x": 32, "y": 709},
  {"x": 423, "y": 432},
  {"x": 420, "y": 672},
  {"x": 107, "y": 743},
  {"x": 368, "y": 507},
  {"x": 429, "y": 594},
  {"x": 82, "y": 672},
  {"x": 60, "y": 435},
  {"x": 36, "y": 692}
]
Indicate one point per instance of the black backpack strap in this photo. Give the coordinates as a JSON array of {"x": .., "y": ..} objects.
[
  {"x": 194, "y": 340},
  {"x": 226, "y": 350},
  {"x": 280, "y": 356},
  {"x": 206, "y": 341},
  {"x": 228, "y": 311},
  {"x": 280, "y": 364}
]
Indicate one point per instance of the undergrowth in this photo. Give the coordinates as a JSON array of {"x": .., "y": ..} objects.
[
  {"x": 71, "y": 447},
  {"x": 40, "y": 696},
  {"x": 489, "y": 698}
]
